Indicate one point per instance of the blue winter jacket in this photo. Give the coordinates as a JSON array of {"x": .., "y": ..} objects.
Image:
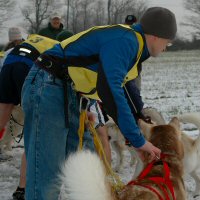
[{"x": 112, "y": 52}]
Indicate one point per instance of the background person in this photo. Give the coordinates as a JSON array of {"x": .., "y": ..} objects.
[
  {"x": 130, "y": 20},
  {"x": 14, "y": 71},
  {"x": 54, "y": 26}
]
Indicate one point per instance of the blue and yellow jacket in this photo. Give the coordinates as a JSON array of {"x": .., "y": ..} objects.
[
  {"x": 28, "y": 51},
  {"x": 103, "y": 57}
]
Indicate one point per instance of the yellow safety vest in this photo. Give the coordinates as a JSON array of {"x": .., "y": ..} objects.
[
  {"x": 85, "y": 79},
  {"x": 40, "y": 43},
  {"x": 1, "y": 54}
]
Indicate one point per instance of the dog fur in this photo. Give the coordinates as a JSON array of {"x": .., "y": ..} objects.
[
  {"x": 192, "y": 150},
  {"x": 119, "y": 146},
  {"x": 84, "y": 176},
  {"x": 7, "y": 140},
  {"x": 191, "y": 146},
  {"x": 117, "y": 142}
]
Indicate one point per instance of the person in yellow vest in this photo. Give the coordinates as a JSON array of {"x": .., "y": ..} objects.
[
  {"x": 14, "y": 71},
  {"x": 97, "y": 63}
]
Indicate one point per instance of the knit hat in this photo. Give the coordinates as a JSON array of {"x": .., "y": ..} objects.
[
  {"x": 130, "y": 19},
  {"x": 55, "y": 15},
  {"x": 14, "y": 33},
  {"x": 159, "y": 22},
  {"x": 63, "y": 35}
]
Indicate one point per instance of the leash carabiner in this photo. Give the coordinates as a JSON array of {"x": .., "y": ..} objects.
[{"x": 84, "y": 103}]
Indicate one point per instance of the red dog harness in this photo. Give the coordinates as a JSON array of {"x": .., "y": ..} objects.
[
  {"x": 162, "y": 182},
  {"x": 2, "y": 133}
]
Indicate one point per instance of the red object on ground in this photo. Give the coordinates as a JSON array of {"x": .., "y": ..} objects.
[{"x": 2, "y": 133}]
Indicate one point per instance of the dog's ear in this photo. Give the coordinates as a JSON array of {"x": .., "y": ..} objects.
[
  {"x": 110, "y": 122},
  {"x": 145, "y": 128},
  {"x": 175, "y": 123}
]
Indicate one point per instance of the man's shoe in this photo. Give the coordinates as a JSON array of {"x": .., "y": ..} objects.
[{"x": 19, "y": 194}]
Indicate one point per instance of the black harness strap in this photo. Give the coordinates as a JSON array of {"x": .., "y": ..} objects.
[
  {"x": 64, "y": 81},
  {"x": 26, "y": 51}
]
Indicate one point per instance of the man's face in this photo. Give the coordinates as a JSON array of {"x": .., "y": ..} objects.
[
  {"x": 157, "y": 45},
  {"x": 55, "y": 22}
]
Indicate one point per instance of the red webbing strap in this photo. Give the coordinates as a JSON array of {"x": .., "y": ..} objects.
[
  {"x": 160, "y": 183},
  {"x": 144, "y": 173},
  {"x": 168, "y": 182},
  {"x": 158, "y": 180},
  {"x": 2, "y": 133},
  {"x": 152, "y": 189},
  {"x": 165, "y": 180}
]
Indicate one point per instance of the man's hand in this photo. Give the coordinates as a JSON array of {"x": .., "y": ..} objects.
[
  {"x": 154, "y": 152},
  {"x": 91, "y": 116}
]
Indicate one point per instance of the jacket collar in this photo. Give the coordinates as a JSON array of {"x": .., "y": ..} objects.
[{"x": 145, "y": 54}]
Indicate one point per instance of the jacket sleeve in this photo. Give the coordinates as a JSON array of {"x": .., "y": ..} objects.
[
  {"x": 134, "y": 98},
  {"x": 117, "y": 57}
]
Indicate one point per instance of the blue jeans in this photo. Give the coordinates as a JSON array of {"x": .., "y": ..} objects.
[{"x": 46, "y": 138}]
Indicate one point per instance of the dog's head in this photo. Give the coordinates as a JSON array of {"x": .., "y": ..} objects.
[
  {"x": 113, "y": 131},
  {"x": 155, "y": 116},
  {"x": 166, "y": 137}
]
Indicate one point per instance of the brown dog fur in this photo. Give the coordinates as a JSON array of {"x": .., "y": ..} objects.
[{"x": 16, "y": 128}]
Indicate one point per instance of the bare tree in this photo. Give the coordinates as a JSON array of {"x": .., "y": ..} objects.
[
  {"x": 99, "y": 14},
  {"x": 73, "y": 9},
  {"x": 68, "y": 1},
  {"x": 86, "y": 6},
  {"x": 109, "y": 10},
  {"x": 82, "y": 14},
  {"x": 193, "y": 20},
  {"x": 36, "y": 12},
  {"x": 6, "y": 7},
  {"x": 120, "y": 9}
]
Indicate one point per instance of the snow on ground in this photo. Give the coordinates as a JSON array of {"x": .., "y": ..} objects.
[{"x": 170, "y": 83}]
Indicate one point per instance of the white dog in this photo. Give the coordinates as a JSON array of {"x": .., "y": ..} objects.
[
  {"x": 13, "y": 128},
  {"x": 118, "y": 145},
  {"x": 192, "y": 150}
]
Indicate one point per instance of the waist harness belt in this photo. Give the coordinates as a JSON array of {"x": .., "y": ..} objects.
[{"x": 54, "y": 65}]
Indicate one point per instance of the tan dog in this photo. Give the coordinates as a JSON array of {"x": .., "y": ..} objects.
[
  {"x": 13, "y": 129},
  {"x": 117, "y": 142},
  {"x": 84, "y": 176},
  {"x": 191, "y": 146}
]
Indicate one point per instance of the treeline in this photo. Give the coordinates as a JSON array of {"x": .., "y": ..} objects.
[{"x": 179, "y": 44}]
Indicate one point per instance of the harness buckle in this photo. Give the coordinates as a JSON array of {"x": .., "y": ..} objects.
[
  {"x": 47, "y": 63},
  {"x": 84, "y": 103}
]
